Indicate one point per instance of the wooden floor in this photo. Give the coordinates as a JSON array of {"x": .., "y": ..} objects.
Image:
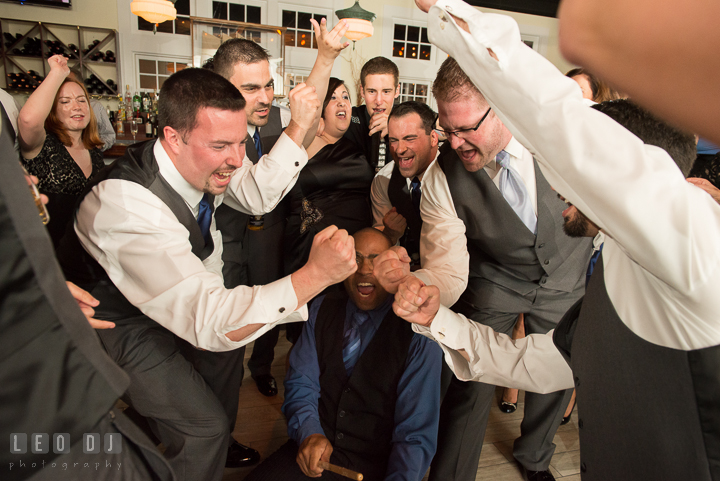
[{"x": 261, "y": 425}]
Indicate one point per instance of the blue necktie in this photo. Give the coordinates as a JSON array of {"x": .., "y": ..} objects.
[
  {"x": 593, "y": 261},
  {"x": 352, "y": 341},
  {"x": 258, "y": 142},
  {"x": 515, "y": 193},
  {"x": 205, "y": 217},
  {"x": 416, "y": 193}
]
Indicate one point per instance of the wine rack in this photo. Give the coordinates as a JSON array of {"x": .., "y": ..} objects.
[{"x": 26, "y": 46}]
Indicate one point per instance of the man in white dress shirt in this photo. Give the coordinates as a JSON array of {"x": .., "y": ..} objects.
[
  {"x": 645, "y": 350},
  {"x": 492, "y": 241},
  {"x": 397, "y": 188},
  {"x": 155, "y": 264}
]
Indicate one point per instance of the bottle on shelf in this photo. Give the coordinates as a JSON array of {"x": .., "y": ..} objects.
[
  {"x": 148, "y": 128},
  {"x": 145, "y": 99},
  {"x": 136, "y": 102},
  {"x": 128, "y": 100}
]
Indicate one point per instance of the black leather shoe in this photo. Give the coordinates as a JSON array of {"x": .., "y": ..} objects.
[
  {"x": 537, "y": 475},
  {"x": 266, "y": 385},
  {"x": 508, "y": 407},
  {"x": 240, "y": 456}
]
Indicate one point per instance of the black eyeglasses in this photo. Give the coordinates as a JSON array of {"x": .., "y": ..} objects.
[{"x": 459, "y": 133}]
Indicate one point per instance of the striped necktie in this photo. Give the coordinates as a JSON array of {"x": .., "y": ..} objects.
[{"x": 352, "y": 341}]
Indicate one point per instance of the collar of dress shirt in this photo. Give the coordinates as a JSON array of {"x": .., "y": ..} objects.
[
  {"x": 598, "y": 240},
  {"x": 420, "y": 177},
  {"x": 514, "y": 148},
  {"x": 190, "y": 194},
  {"x": 251, "y": 129},
  {"x": 376, "y": 315}
]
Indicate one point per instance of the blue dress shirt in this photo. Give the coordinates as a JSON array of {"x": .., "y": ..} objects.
[{"x": 417, "y": 410}]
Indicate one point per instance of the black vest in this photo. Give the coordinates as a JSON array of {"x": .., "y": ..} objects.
[
  {"x": 137, "y": 165},
  {"x": 502, "y": 249},
  {"x": 357, "y": 413},
  {"x": 254, "y": 257},
  {"x": 401, "y": 198},
  {"x": 55, "y": 375},
  {"x": 645, "y": 411}
]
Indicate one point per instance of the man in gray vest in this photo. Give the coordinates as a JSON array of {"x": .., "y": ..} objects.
[
  {"x": 252, "y": 245},
  {"x": 145, "y": 245},
  {"x": 362, "y": 389},
  {"x": 648, "y": 326},
  {"x": 397, "y": 188},
  {"x": 492, "y": 241}
]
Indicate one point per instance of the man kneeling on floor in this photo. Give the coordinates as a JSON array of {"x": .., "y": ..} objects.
[{"x": 363, "y": 390}]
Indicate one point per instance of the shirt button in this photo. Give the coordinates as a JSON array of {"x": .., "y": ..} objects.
[
  {"x": 297, "y": 164},
  {"x": 541, "y": 245},
  {"x": 282, "y": 309},
  {"x": 341, "y": 414},
  {"x": 580, "y": 423},
  {"x": 543, "y": 280},
  {"x": 547, "y": 262},
  {"x": 583, "y": 467},
  {"x": 340, "y": 436},
  {"x": 577, "y": 381},
  {"x": 347, "y": 390}
]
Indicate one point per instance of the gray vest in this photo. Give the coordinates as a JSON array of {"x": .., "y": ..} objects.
[
  {"x": 254, "y": 257},
  {"x": 502, "y": 249},
  {"x": 645, "y": 411}
]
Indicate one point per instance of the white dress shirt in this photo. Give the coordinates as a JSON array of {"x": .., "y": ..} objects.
[
  {"x": 147, "y": 254},
  {"x": 443, "y": 246},
  {"x": 379, "y": 197},
  {"x": 662, "y": 248}
]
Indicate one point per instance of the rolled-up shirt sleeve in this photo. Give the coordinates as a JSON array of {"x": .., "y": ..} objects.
[
  {"x": 147, "y": 254},
  {"x": 532, "y": 363}
]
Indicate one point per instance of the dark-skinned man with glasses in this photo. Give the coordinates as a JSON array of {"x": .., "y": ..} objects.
[{"x": 492, "y": 242}]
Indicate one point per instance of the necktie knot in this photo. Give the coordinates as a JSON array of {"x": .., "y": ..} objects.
[
  {"x": 359, "y": 318},
  {"x": 503, "y": 159},
  {"x": 258, "y": 142}
]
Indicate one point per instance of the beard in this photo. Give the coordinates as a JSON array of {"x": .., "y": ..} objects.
[{"x": 576, "y": 225}]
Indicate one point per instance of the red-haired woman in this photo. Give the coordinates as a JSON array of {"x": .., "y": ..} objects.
[{"x": 59, "y": 142}]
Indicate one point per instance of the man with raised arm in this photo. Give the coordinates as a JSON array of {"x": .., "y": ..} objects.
[
  {"x": 145, "y": 245},
  {"x": 648, "y": 324}
]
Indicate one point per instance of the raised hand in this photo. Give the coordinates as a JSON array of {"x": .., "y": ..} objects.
[
  {"x": 304, "y": 104},
  {"x": 378, "y": 123},
  {"x": 330, "y": 43},
  {"x": 415, "y": 302},
  {"x": 332, "y": 255},
  {"x": 314, "y": 448},
  {"x": 395, "y": 224},
  {"x": 58, "y": 65},
  {"x": 391, "y": 267}
]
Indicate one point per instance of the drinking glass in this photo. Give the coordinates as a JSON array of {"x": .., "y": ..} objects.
[{"x": 133, "y": 128}]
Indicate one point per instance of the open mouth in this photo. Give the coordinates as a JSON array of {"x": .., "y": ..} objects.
[
  {"x": 466, "y": 155},
  {"x": 262, "y": 112},
  {"x": 379, "y": 111},
  {"x": 405, "y": 162},
  {"x": 365, "y": 289},
  {"x": 341, "y": 115},
  {"x": 223, "y": 178},
  {"x": 78, "y": 117}
]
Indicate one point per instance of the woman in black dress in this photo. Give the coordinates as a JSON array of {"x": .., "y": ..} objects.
[
  {"x": 59, "y": 142},
  {"x": 334, "y": 186}
]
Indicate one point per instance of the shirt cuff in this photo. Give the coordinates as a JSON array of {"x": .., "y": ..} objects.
[
  {"x": 288, "y": 155},
  {"x": 309, "y": 427}
]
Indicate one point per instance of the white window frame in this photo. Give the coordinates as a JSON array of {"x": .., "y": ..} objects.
[
  {"x": 156, "y": 58},
  {"x": 405, "y": 42},
  {"x": 239, "y": 2},
  {"x": 414, "y": 82}
]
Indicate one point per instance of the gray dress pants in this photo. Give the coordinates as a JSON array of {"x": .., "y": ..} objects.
[{"x": 466, "y": 405}]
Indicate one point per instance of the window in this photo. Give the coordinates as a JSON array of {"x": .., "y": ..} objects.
[
  {"x": 179, "y": 26},
  {"x": 413, "y": 91},
  {"x": 293, "y": 79},
  {"x": 299, "y": 31},
  {"x": 411, "y": 42},
  {"x": 152, "y": 73},
  {"x": 236, "y": 12}
]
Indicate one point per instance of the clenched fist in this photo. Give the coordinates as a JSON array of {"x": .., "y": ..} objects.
[
  {"x": 415, "y": 302},
  {"x": 392, "y": 267},
  {"x": 304, "y": 104},
  {"x": 332, "y": 256}
]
